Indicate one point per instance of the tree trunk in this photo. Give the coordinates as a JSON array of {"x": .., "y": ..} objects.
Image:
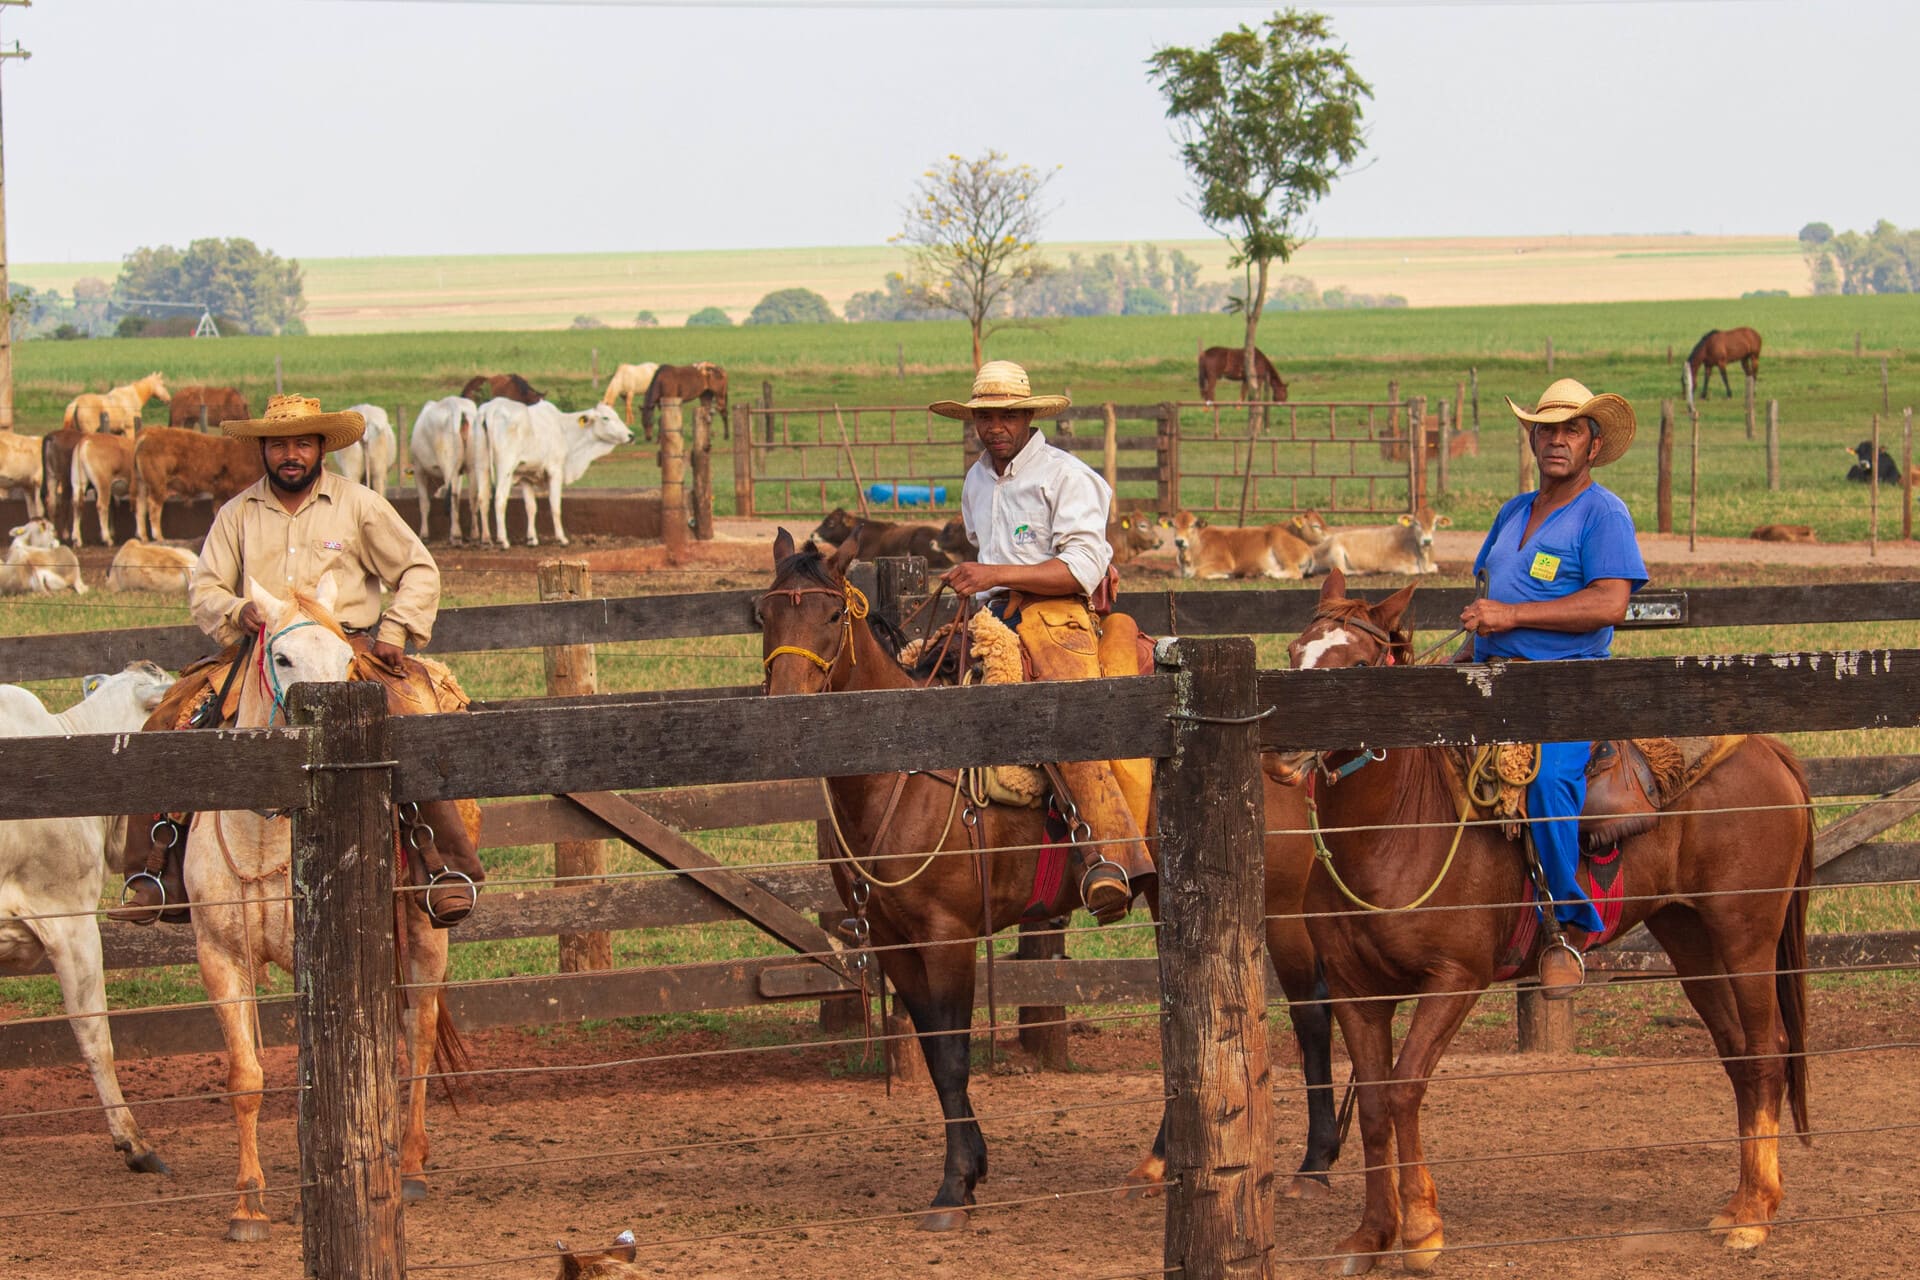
[
  {"x": 1250, "y": 359},
  {"x": 978, "y": 358}
]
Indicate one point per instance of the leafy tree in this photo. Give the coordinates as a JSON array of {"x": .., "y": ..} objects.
[
  {"x": 234, "y": 277},
  {"x": 65, "y": 332},
  {"x": 588, "y": 322},
  {"x": 792, "y": 306},
  {"x": 1815, "y": 233},
  {"x": 1145, "y": 300},
  {"x": 973, "y": 236},
  {"x": 1267, "y": 120},
  {"x": 709, "y": 317},
  {"x": 893, "y": 302},
  {"x": 646, "y": 320}
]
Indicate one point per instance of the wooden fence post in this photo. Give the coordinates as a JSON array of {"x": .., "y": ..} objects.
[
  {"x": 571, "y": 670},
  {"x": 1443, "y": 445},
  {"x": 1213, "y": 1033},
  {"x": 1549, "y": 357},
  {"x": 1417, "y": 454},
  {"x": 743, "y": 461},
  {"x": 1473, "y": 386},
  {"x": 766, "y": 402},
  {"x": 1459, "y": 418},
  {"x": 279, "y": 382},
  {"x": 1773, "y": 446},
  {"x": 702, "y": 471},
  {"x": 1886, "y": 404},
  {"x": 1669, "y": 353},
  {"x": 673, "y": 482},
  {"x": 1168, "y": 440},
  {"x": 1541, "y": 1025},
  {"x": 1906, "y": 473},
  {"x": 1393, "y": 412},
  {"x": 1663, "y": 491},
  {"x": 900, "y": 360},
  {"x": 346, "y": 1004},
  {"x": 1110, "y": 444},
  {"x": 1693, "y": 483},
  {"x": 593, "y": 364},
  {"x": 1750, "y": 382},
  {"x": 1873, "y": 493}
]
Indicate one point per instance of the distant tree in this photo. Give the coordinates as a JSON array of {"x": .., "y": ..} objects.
[
  {"x": 1765, "y": 293},
  {"x": 65, "y": 332},
  {"x": 1815, "y": 233},
  {"x": 645, "y": 320},
  {"x": 92, "y": 301},
  {"x": 1826, "y": 280},
  {"x": 792, "y": 306},
  {"x": 892, "y": 302},
  {"x": 1145, "y": 300},
  {"x": 235, "y": 277},
  {"x": 1267, "y": 120},
  {"x": 973, "y": 238},
  {"x": 1885, "y": 260},
  {"x": 131, "y": 326},
  {"x": 709, "y": 317},
  {"x": 587, "y": 322}
]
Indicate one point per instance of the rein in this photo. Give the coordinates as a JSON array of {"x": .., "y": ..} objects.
[
  {"x": 856, "y": 608},
  {"x": 269, "y": 676}
]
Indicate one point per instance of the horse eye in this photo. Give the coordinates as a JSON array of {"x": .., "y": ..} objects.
[
  {"x": 1361, "y": 662},
  {"x": 835, "y": 615},
  {"x": 282, "y": 660}
]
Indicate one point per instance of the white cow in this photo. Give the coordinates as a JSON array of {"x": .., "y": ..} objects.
[
  {"x": 530, "y": 443},
  {"x": 37, "y": 563},
  {"x": 20, "y": 468},
  {"x": 151, "y": 566},
  {"x": 442, "y": 436},
  {"x": 51, "y": 874},
  {"x": 369, "y": 460},
  {"x": 492, "y": 420},
  {"x": 1406, "y": 547}
]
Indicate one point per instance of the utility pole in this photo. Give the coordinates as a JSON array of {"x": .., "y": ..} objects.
[{"x": 6, "y": 292}]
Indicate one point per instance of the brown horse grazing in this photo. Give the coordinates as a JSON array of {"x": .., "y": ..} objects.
[
  {"x": 1718, "y": 348},
  {"x": 507, "y": 386},
  {"x": 683, "y": 382},
  {"x": 223, "y": 404},
  {"x": 1722, "y": 891},
  {"x": 925, "y": 912},
  {"x": 1231, "y": 363}
]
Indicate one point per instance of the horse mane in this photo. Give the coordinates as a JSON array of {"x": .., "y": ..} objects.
[
  {"x": 306, "y": 604},
  {"x": 525, "y": 388},
  {"x": 810, "y": 565},
  {"x": 1346, "y": 607},
  {"x": 1704, "y": 339}
]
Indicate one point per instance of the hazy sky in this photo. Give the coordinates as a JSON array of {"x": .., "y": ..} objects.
[{"x": 352, "y": 127}]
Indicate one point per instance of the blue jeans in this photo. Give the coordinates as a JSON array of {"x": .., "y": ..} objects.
[{"x": 1561, "y": 792}]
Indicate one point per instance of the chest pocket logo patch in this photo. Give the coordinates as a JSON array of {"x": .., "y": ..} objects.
[
  {"x": 1545, "y": 567},
  {"x": 1023, "y": 535}
]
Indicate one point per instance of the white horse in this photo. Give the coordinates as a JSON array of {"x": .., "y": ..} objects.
[
  {"x": 369, "y": 459},
  {"x": 630, "y": 380},
  {"x": 238, "y": 872},
  {"x": 51, "y": 873}
]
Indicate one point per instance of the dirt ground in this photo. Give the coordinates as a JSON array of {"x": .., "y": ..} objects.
[{"x": 579, "y": 1155}]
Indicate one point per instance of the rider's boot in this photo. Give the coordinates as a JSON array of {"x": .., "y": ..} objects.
[
  {"x": 1563, "y": 966},
  {"x": 153, "y": 861}
]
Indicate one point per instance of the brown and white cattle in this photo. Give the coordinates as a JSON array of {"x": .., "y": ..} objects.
[
  {"x": 1405, "y": 547},
  {"x": 1268, "y": 551},
  {"x": 169, "y": 462}
]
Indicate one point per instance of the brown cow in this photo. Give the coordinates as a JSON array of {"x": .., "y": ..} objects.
[
  {"x": 683, "y": 382},
  {"x": 223, "y": 404},
  {"x": 954, "y": 541},
  {"x": 875, "y": 538},
  {"x": 507, "y": 386},
  {"x": 1271, "y": 551},
  {"x": 1784, "y": 533},
  {"x": 1134, "y": 534},
  {"x": 100, "y": 462},
  {"x": 171, "y": 463}
]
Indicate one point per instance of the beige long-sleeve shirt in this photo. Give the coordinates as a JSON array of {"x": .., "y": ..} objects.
[{"x": 342, "y": 528}]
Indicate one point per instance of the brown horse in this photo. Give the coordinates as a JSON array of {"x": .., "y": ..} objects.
[
  {"x": 1722, "y": 891},
  {"x": 507, "y": 386},
  {"x": 1718, "y": 348},
  {"x": 925, "y": 912},
  {"x": 223, "y": 404},
  {"x": 683, "y": 382},
  {"x": 1231, "y": 363}
]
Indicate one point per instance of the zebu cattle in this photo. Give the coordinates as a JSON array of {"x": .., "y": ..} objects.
[
  {"x": 37, "y": 563},
  {"x": 169, "y": 462},
  {"x": 368, "y": 460},
  {"x": 531, "y": 443},
  {"x": 1862, "y": 470},
  {"x": 103, "y": 463},
  {"x": 630, "y": 380},
  {"x": 20, "y": 469},
  {"x": 1405, "y": 547},
  {"x": 151, "y": 566},
  {"x": 223, "y": 404},
  {"x": 1270, "y": 551},
  {"x": 51, "y": 874},
  {"x": 442, "y": 437},
  {"x": 1134, "y": 534}
]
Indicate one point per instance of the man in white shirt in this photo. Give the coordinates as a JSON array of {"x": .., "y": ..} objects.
[{"x": 1039, "y": 518}]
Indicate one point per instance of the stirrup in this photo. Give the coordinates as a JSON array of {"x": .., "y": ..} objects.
[
  {"x": 1561, "y": 990},
  {"x": 447, "y": 919},
  {"x": 1108, "y": 872},
  {"x": 130, "y": 911}
]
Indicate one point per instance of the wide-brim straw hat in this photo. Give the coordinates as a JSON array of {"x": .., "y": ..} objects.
[
  {"x": 300, "y": 416},
  {"x": 1568, "y": 398},
  {"x": 1001, "y": 384}
]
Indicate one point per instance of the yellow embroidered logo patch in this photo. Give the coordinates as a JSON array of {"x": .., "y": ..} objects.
[{"x": 1544, "y": 566}]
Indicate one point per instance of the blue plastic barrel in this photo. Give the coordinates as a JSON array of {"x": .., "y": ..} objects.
[{"x": 908, "y": 495}]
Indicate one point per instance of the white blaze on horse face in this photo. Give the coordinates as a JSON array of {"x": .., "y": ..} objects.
[{"x": 1313, "y": 650}]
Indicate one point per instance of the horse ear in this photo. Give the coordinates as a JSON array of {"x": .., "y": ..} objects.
[
  {"x": 271, "y": 606},
  {"x": 1334, "y": 588},
  {"x": 782, "y": 546},
  {"x": 1388, "y": 613},
  {"x": 326, "y": 592}
]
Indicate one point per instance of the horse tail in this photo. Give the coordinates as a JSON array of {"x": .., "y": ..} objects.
[
  {"x": 1790, "y": 958},
  {"x": 450, "y": 1057}
]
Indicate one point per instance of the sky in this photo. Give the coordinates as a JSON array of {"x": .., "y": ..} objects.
[{"x": 329, "y": 128}]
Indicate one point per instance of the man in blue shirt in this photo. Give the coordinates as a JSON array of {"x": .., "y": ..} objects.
[{"x": 1561, "y": 563}]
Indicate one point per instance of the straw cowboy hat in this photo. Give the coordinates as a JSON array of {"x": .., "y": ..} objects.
[
  {"x": 1001, "y": 384},
  {"x": 1612, "y": 415},
  {"x": 299, "y": 416}
]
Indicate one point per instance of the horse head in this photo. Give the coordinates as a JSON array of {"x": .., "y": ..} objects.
[
  {"x": 300, "y": 643},
  {"x": 476, "y": 384},
  {"x": 154, "y": 387},
  {"x": 1348, "y": 632},
  {"x": 807, "y": 619}
]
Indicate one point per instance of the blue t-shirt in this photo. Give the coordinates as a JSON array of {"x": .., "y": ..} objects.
[{"x": 1588, "y": 539}]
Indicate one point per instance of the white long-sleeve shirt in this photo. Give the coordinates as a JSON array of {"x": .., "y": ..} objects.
[{"x": 1047, "y": 505}]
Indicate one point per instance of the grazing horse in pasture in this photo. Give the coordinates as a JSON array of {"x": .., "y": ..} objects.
[
  {"x": 925, "y": 911},
  {"x": 683, "y": 382},
  {"x": 51, "y": 872},
  {"x": 1718, "y": 348},
  {"x": 117, "y": 410},
  {"x": 630, "y": 380},
  {"x": 238, "y": 871},
  {"x": 508, "y": 386},
  {"x": 1719, "y": 876},
  {"x": 1231, "y": 363}
]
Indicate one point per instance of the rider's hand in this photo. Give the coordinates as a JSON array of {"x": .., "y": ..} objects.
[
  {"x": 1488, "y": 617},
  {"x": 389, "y": 653},
  {"x": 250, "y": 617},
  {"x": 970, "y": 577}
]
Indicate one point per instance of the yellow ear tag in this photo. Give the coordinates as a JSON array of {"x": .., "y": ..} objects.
[{"x": 1544, "y": 566}]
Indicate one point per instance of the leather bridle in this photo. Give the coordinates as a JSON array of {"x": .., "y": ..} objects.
[{"x": 855, "y": 607}]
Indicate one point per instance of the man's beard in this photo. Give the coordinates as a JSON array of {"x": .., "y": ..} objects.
[{"x": 304, "y": 483}]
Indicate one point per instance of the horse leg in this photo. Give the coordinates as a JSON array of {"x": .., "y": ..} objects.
[
  {"x": 1735, "y": 997},
  {"x": 1313, "y": 1032},
  {"x": 73, "y": 945},
  {"x": 1723, "y": 381},
  {"x": 426, "y": 970},
  {"x": 941, "y": 1006},
  {"x": 1436, "y": 1018},
  {"x": 231, "y": 990},
  {"x": 1367, "y": 1027}
]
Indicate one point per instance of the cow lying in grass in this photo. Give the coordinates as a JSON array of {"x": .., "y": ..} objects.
[
  {"x": 1282, "y": 550},
  {"x": 36, "y": 563},
  {"x": 1135, "y": 534},
  {"x": 1405, "y": 547},
  {"x": 875, "y": 538},
  {"x": 150, "y": 566},
  {"x": 1784, "y": 533}
]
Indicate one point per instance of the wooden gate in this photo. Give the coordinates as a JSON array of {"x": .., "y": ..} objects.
[{"x": 1259, "y": 460}]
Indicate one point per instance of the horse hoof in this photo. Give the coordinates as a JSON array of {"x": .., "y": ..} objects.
[
  {"x": 413, "y": 1190},
  {"x": 1421, "y": 1257},
  {"x": 1305, "y": 1186},
  {"x": 248, "y": 1230},
  {"x": 1356, "y": 1264},
  {"x": 147, "y": 1162},
  {"x": 1741, "y": 1239},
  {"x": 943, "y": 1219}
]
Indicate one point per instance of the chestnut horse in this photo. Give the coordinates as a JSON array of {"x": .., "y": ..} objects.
[
  {"x": 925, "y": 912},
  {"x": 1231, "y": 363},
  {"x": 507, "y": 386},
  {"x": 1721, "y": 889},
  {"x": 1718, "y": 348},
  {"x": 683, "y": 382}
]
